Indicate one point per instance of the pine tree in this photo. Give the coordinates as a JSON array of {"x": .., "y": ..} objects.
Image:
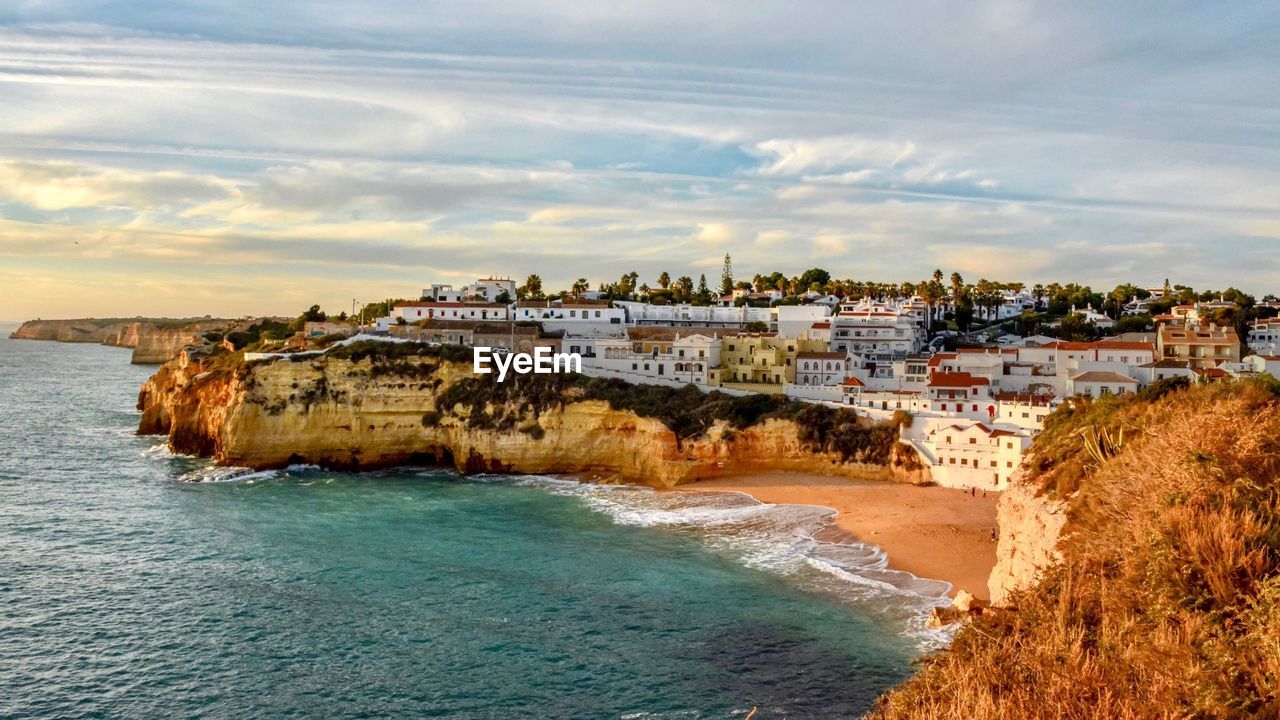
[{"x": 726, "y": 276}]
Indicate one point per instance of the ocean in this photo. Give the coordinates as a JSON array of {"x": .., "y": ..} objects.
[{"x": 126, "y": 591}]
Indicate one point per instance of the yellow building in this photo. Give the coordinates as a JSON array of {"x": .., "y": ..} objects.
[{"x": 761, "y": 358}]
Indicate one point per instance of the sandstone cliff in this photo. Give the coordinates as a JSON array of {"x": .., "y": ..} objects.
[
  {"x": 154, "y": 341},
  {"x": 1030, "y": 526},
  {"x": 363, "y": 414},
  {"x": 1140, "y": 562},
  {"x": 71, "y": 331}
]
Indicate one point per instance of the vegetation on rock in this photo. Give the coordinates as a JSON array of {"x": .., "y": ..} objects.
[{"x": 1167, "y": 602}]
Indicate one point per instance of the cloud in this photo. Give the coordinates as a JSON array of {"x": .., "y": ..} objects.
[
  {"x": 401, "y": 141},
  {"x": 61, "y": 185}
]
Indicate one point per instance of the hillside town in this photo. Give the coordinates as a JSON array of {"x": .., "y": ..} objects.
[{"x": 968, "y": 371}]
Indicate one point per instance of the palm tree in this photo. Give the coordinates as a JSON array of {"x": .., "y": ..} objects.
[
  {"x": 664, "y": 280},
  {"x": 580, "y": 286}
]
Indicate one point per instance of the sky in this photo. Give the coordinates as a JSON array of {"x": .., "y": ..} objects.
[{"x": 178, "y": 157}]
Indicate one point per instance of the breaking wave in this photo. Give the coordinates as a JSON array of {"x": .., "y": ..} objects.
[{"x": 796, "y": 541}]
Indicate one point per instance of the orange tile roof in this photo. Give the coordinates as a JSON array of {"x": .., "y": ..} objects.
[{"x": 956, "y": 379}]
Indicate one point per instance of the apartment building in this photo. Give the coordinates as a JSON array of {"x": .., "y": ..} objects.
[
  {"x": 1202, "y": 346},
  {"x": 762, "y": 358}
]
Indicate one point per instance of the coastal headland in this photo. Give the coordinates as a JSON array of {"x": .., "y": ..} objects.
[{"x": 153, "y": 340}]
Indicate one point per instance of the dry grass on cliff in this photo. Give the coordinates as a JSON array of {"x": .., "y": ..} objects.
[{"x": 1167, "y": 604}]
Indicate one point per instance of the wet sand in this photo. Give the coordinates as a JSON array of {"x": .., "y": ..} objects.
[{"x": 930, "y": 532}]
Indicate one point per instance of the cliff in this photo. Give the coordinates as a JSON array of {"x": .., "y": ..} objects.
[
  {"x": 1139, "y": 567},
  {"x": 366, "y": 411},
  {"x": 1030, "y": 524},
  {"x": 70, "y": 331},
  {"x": 154, "y": 340}
]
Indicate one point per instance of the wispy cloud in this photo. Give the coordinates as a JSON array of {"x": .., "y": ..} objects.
[{"x": 339, "y": 150}]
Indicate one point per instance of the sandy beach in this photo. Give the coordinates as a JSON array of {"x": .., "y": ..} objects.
[{"x": 931, "y": 532}]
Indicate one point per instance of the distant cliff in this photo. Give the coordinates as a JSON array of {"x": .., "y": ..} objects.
[
  {"x": 362, "y": 408},
  {"x": 154, "y": 340},
  {"x": 1139, "y": 566}
]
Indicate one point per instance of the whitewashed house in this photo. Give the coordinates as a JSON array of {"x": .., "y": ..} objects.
[{"x": 822, "y": 368}]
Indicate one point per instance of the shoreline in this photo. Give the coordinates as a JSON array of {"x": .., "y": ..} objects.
[{"x": 929, "y": 531}]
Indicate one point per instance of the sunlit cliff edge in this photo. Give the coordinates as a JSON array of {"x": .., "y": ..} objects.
[
  {"x": 1139, "y": 566},
  {"x": 153, "y": 340},
  {"x": 384, "y": 405}
]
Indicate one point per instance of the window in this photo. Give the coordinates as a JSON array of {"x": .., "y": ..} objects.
[
  {"x": 951, "y": 460},
  {"x": 993, "y": 463}
]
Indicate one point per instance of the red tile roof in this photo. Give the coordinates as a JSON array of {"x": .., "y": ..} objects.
[{"x": 956, "y": 379}]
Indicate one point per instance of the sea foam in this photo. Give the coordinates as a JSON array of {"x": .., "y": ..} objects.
[{"x": 780, "y": 539}]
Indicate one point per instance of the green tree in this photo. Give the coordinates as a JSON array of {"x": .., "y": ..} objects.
[
  {"x": 532, "y": 288},
  {"x": 664, "y": 280},
  {"x": 703, "y": 296},
  {"x": 726, "y": 276},
  {"x": 813, "y": 275},
  {"x": 684, "y": 288}
]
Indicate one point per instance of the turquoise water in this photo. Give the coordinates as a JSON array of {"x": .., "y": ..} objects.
[{"x": 126, "y": 593}]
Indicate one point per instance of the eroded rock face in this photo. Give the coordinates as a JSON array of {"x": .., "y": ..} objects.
[
  {"x": 344, "y": 414},
  {"x": 152, "y": 343},
  {"x": 1030, "y": 527}
]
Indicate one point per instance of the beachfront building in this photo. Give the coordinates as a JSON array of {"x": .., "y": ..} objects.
[
  {"x": 1202, "y": 346},
  {"x": 577, "y": 318},
  {"x": 761, "y": 358},
  {"x": 973, "y": 455}
]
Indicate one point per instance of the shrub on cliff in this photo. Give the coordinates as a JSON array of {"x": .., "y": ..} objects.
[
  {"x": 686, "y": 411},
  {"x": 1167, "y": 602}
]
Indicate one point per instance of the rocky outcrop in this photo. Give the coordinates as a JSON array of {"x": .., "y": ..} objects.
[
  {"x": 360, "y": 414},
  {"x": 1030, "y": 526},
  {"x": 154, "y": 341},
  {"x": 69, "y": 331},
  {"x": 157, "y": 345}
]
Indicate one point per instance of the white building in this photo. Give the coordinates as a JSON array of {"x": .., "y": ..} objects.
[
  {"x": 411, "y": 312},
  {"x": 1264, "y": 336},
  {"x": 686, "y": 315},
  {"x": 796, "y": 320},
  {"x": 686, "y": 359},
  {"x": 575, "y": 318},
  {"x": 1096, "y": 383},
  {"x": 822, "y": 368},
  {"x": 974, "y": 455},
  {"x": 878, "y": 332},
  {"x": 483, "y": 290}
]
